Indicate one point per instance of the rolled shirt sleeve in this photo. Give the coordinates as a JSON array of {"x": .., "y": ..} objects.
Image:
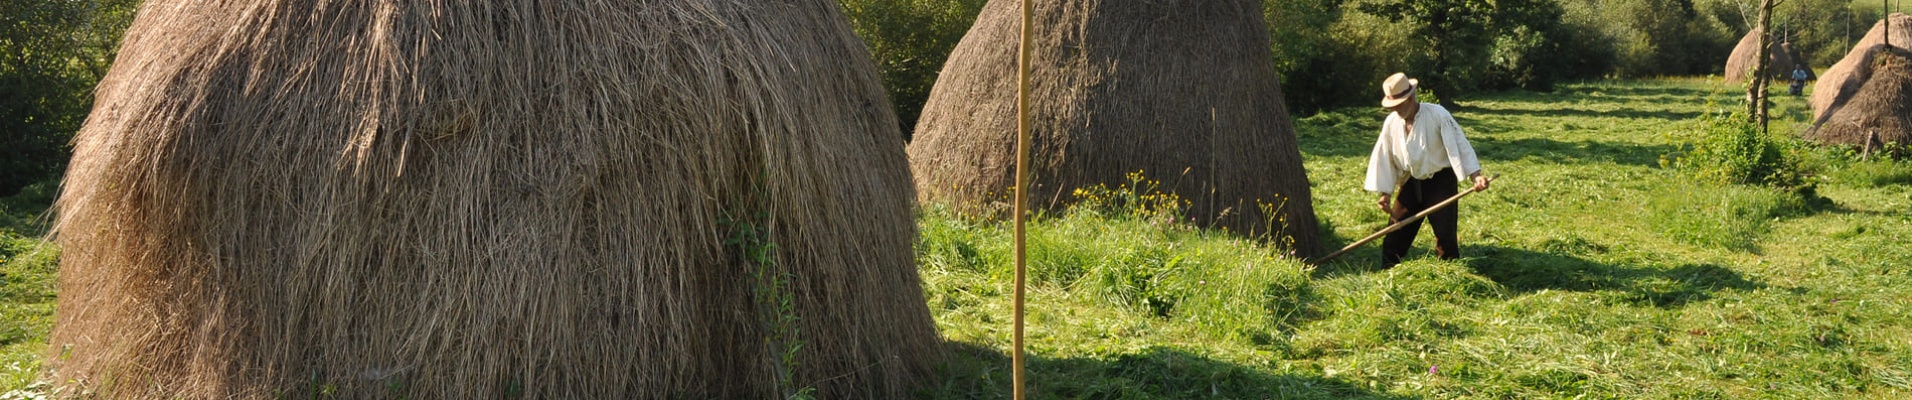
[
  {"x": 1383, "y": 175},
  {"x": 1460, "y": 154}
]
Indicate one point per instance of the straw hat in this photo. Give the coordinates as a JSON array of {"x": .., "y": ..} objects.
[{"x": 1397, "y": 89}]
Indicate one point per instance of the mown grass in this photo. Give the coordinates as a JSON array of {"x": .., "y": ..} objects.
[
  {"x": 27, "y": 275},
  {"x": 1591, "y": 270}
]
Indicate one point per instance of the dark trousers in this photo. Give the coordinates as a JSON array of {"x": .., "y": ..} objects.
[{"x": 1415, "y": 196}]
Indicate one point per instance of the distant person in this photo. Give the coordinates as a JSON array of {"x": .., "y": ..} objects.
[
  {"x": 1424, "y": 154},
  {"x": 1799, "y": 77}
]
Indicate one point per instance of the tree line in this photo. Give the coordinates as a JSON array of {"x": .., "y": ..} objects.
[
  {"x": 52, "y": 53},
  {"x": 1328, "y": 53},
  {"x": 1333, "y": 53}
]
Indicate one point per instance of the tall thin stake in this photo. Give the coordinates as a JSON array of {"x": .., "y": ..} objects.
[{"x": 1022, "y": 185}]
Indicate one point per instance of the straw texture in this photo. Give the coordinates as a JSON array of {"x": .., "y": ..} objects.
[
  {"x": 1184, "y": 91},
  {"x": 456, "y": 200},
  {"x": 1867, "y": 96},
  {"x": 1782, "y": 58}
]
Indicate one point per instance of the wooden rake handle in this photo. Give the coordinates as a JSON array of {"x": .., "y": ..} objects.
[{"x": 1397, "y": 225}]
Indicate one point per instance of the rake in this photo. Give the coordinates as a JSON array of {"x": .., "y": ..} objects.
[{"x": 1397, "y": 225}]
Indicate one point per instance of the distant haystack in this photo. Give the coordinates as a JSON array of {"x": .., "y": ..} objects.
[
  {"x": 1867, "y": 96},
  {"x": 1182, "y": 90},
  {"x": 1782, "y": 56},
  {"x": 595, "y": 200}
]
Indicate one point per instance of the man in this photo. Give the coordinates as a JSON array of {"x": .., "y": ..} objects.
[
  {"x": 1799, "y": 76},
  {"x": 1423, "y": 153}
]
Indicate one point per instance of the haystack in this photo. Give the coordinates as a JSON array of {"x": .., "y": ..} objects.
[
  {"x": 1845, "y": 78},
  {"x": 594, "y": 200},
  {"x": 1183, "y": 91},
  {"x": 1782, "y": 58},
  {"x": 1878, "y": 109}
]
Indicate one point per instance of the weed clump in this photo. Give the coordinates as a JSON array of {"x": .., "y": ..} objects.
[
  {"x": 1729, "y": 217},
  {"x": 1727, "y": 148},
  {"x": 1132, "y": 247}
]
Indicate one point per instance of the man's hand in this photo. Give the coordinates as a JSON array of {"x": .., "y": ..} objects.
[
  {"x": 1480, "y": 182},
  {"x": 1384, "y": 203}
]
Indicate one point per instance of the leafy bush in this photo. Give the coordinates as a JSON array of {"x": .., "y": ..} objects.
[
  {"x": 909, "y": 40},
  {"x": 1727, "y": 148},
  {"x": 1327, "y": 58},
  {"x": 1653, "y": 37},
  {"x": 1545, "y": 48},
  {"x": 1454, "y": 39},
  {"x": 51, "y": 54}
]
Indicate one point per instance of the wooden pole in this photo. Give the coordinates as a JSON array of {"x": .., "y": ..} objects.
[
  {"x": 1397, "y": 225},
  {"x": 1022, "y": 189}
]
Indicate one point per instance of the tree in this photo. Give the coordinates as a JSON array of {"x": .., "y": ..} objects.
[
  {"x": 1460, "y": 34},
  {"x": 51, "y": 55},
  {"x": 1756, "y": 89},
  {"x": 909, "y": 40},
  {"x": 1315, "y": 70}
]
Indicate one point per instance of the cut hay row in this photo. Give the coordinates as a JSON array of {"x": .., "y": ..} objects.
[
  {"x": 1183, "y": 91},
  {"x": 1866, "y": 98},
  {"x": 452, "y": 200}
]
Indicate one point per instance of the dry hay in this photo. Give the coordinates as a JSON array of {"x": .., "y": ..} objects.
[
  {"x": 1836, "y": 84},
  {"x": 1184, "y": 91},
  {"x": 286, "y": 198},
  {"x": 1879, "y": 110},
  {"x": 1782, "y": 58}
]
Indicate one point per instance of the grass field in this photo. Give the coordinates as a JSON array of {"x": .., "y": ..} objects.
[
  {"x": 27, "y": 270},
  {"x": 1592, "y": 270}
]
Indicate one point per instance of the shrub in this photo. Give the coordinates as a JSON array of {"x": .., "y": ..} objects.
[
  {"x": 51, "y": 54},
  {"x": 1727, "y": 148},
  {"x": 909, "y": 40},
  {"x": 1653, "y": 37}
]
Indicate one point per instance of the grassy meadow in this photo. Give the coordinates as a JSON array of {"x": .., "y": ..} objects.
[
  {"x": 1594, "y": 268},
  {"x": 27, "y": 271}
]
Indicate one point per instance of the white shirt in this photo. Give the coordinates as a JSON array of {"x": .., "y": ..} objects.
[{"x": 1437, "y": 143}]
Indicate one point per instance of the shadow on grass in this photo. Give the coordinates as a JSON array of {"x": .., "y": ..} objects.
[
  {"x": 1346, "y": 140},
  {"x": 1605, "y": 89},
  {"x": 976, "y": 372},
  {"x": 1524, "y": 270},
  {"x": 1565, "y": 112},
  {"x": 1563, "y": 152}
]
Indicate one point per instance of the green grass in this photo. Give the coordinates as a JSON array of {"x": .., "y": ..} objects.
[
  {"x": 27, "y": 276},
  {"x": 1592, "y": 270}
]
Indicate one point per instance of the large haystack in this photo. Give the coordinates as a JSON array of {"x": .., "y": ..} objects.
[
  {"x": 1879, "y": 110},
  {"x": 1782, "y": 57},
  {"x": 1844, "y": 79},
  {"x": 593, "y": 200},
  {"x": 1183, "y": 90}
]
